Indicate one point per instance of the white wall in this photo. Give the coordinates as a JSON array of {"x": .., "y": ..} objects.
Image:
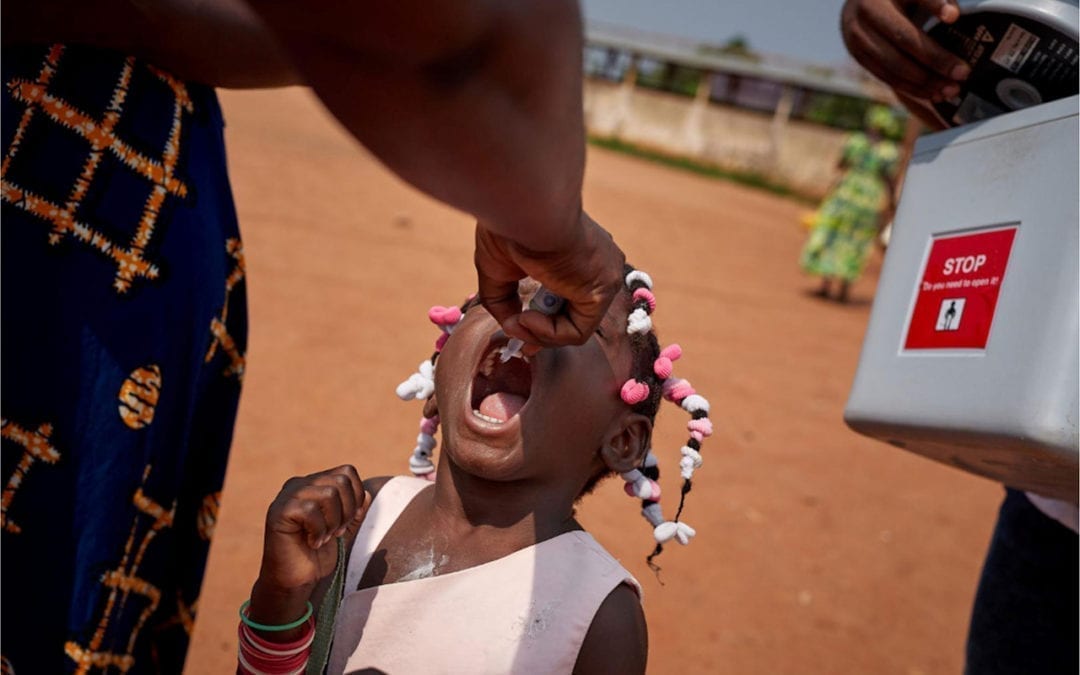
[{"x": 801, "y": 155}]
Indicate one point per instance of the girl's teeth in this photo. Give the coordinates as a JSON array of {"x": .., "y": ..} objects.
[
  {"x": 502, "y": 355},
  {"x": 484, "y": 417}
]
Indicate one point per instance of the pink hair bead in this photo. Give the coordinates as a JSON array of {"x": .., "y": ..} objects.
[
  {"x": 669, "y": 385},
  {"x": 697, "y": 436},
  {"x": 630, "y": 489},
  {"x": 429, "y": 425},
  {"x": 646, "y": 295},
  {"x": 444, "y": 316},
  {"x": 441, "y": 341},
  {"x": 634, "y": 392},
  {"x": 663, "y": 367},
  {"x": 703, "y": 426},
  {"x": 672, "y": 351},
  {"x": 677, "y": 390}
]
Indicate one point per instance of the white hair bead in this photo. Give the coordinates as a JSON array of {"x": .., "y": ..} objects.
[
  {"x": 687, "y": 468},
  {"x": 684, "y": 533},
  {"x": 420, "y": 384},
  {"x": 420, "y": 465},
  {"x": 693, "y": 455},
  {"x": 638, "y": 275},
  {"x": 681, "y": 532},
  {"x": 695, "y": 402},
  {"x": 420, "y": 387},
  {"x": 650, "y": 459},
  {"x": 408, "y": 389},
  {"x": 427, "y": 369},
  {"x": 665, "y": 532},
  {"x": 638, "y": 322},
  {"x": 631, "y": 476},
  {"x": 426, "y": 442}
]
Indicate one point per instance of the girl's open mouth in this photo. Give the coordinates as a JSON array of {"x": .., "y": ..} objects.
[{"x": 500, "y": 390}]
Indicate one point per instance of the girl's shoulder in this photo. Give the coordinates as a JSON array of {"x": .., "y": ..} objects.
[
  {"x": 408, "y": 484},
  {"x": 373, "y": 485}
]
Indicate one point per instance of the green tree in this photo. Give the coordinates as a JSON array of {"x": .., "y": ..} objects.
[{"x": 737, "y": 45}]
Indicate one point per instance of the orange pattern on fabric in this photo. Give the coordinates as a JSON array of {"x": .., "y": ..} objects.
[
  {"x": 37, "y": 447},
  {"x": 208, "y": 514},
  {"x": 46, "y": 74},
  {"x": 122, "y": 582},
  {"x": 101, "y": 137},
  {"x": 139, "y": 395},
  {"x": 218, "y": 326}
]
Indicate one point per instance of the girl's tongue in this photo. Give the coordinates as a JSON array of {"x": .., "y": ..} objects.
[{"x": 502, "y": 405}]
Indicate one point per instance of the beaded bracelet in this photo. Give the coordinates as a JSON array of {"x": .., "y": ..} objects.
[{"x": 273, "y": 629}]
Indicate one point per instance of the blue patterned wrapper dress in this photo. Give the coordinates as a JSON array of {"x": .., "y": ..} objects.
[{"x": 124, "y": 330}]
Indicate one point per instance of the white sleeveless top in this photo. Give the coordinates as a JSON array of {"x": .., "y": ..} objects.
[{"x": 526, "y": 612}]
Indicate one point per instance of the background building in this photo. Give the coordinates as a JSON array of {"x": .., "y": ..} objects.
[{"x": 782, "y": 120}]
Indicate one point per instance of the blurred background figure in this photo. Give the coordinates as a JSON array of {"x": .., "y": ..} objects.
[{"x": 855, "y": 212}]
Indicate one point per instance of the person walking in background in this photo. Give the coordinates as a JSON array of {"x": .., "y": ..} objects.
[
  {"x": 853, "y": 214},
  {"x": 123, "y": 269}
]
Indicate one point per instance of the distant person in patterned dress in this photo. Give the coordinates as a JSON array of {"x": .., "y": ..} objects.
[
  {"x": 123, "y": 308},
  {"x": 854, "y": 213}
]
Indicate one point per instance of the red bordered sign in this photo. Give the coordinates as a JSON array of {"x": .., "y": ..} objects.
[{"x": 958, "y": 292}]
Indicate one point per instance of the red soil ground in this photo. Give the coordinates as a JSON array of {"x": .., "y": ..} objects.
[{"x": 818, "y": 551}]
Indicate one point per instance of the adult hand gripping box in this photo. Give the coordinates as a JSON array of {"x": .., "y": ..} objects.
[{"x": 971, "y": 353}]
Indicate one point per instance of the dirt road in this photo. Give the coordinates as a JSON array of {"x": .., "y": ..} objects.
[{"x": 818, "y": 551}]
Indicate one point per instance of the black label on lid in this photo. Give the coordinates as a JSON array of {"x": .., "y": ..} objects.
[{"x": 1016, "y": 62}]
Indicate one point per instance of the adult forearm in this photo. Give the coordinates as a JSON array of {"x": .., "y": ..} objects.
[
  {"x": 476, "y": 103},
  {"x": 217, "y": 42}
]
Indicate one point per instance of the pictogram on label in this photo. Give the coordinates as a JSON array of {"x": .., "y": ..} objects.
[
  {"x": 952, "y": 311},
  {"x": 958, "y": 291}
]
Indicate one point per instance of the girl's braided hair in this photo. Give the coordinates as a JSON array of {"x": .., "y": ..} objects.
[{"x": 652, "y": 380}]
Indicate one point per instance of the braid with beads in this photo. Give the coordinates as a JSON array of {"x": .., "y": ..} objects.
[
  {"x": 643, "y": 389},
  {"x": 421, "y": 385}
]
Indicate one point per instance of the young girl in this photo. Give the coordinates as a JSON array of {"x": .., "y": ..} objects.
[{"x": 483, "y": 569}]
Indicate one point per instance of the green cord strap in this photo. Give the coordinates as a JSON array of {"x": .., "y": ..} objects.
[
  {"x": 324, "y": 623},
  {"x": 272, "y": 629}
]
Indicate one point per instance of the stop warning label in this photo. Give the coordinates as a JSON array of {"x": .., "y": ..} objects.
[{"x": 958, "y": 292}]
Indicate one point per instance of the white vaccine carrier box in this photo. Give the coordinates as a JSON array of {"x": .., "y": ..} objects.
[{"x": 971, "y": 352}]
